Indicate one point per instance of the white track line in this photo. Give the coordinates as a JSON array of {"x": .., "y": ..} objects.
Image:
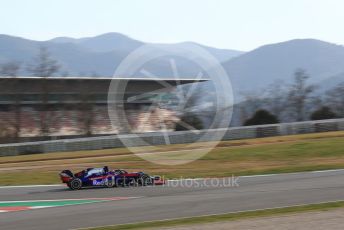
[
  {"x": 264, "y": 175},
  {"x": 77, "y": 199},
  {"x": 294, "y": 173},
  {"x": 33, "y": 186},
  {"x": 193, "y": 179}
]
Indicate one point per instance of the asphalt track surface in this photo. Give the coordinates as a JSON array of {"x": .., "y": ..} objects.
[{"x": 170, "y": 201}]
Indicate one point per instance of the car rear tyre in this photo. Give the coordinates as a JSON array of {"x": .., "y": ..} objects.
[{"x": 75, "y": 184}]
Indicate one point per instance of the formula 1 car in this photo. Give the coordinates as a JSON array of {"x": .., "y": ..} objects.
[{"x": 103, "y": 177}]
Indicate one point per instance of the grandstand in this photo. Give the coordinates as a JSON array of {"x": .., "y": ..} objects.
[{"x": 59, "y": 106}]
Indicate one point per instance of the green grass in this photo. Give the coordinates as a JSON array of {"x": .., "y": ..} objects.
[
  {"x": 124, "y": 151},
  {"x": 227, "y": 217},
  {"x": 309, "y": 152},
  {"x": 30, "y": 177}
]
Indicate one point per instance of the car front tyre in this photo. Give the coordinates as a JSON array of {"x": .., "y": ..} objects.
[{"x": 145, "y": 180}]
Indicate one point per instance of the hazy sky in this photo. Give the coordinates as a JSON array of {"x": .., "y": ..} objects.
[{"x": 234, "y": 24}]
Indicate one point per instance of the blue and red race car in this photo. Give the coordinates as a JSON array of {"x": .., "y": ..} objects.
[{"x": 103, "y": 177}]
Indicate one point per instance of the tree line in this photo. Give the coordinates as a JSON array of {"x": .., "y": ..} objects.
[
  {"x": 279, "y": 102},
  {"x": 296, "y": 101}
]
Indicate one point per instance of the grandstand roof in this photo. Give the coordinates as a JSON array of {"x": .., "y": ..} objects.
[
  {"x": 33, "y": 86},
  {"x": 172, "y": 79}
]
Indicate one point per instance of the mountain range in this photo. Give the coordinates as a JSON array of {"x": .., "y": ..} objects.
[
  {"x": 100, "y": 55},
  {"x": 321, "y": 60}
]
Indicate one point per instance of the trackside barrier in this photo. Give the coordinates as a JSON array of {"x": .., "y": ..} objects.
[{"x": 235, "y": 133}]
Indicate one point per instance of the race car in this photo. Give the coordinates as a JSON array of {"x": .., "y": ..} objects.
[{"x": 103, "y": 177}]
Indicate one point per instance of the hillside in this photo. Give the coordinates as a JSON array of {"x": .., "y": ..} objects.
[
  {"x": 273, "y": 62},
  {"x": 100, "y": 55},
  {"x": 93, "y": 55},
  {"x": 102, "y": 43}
]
